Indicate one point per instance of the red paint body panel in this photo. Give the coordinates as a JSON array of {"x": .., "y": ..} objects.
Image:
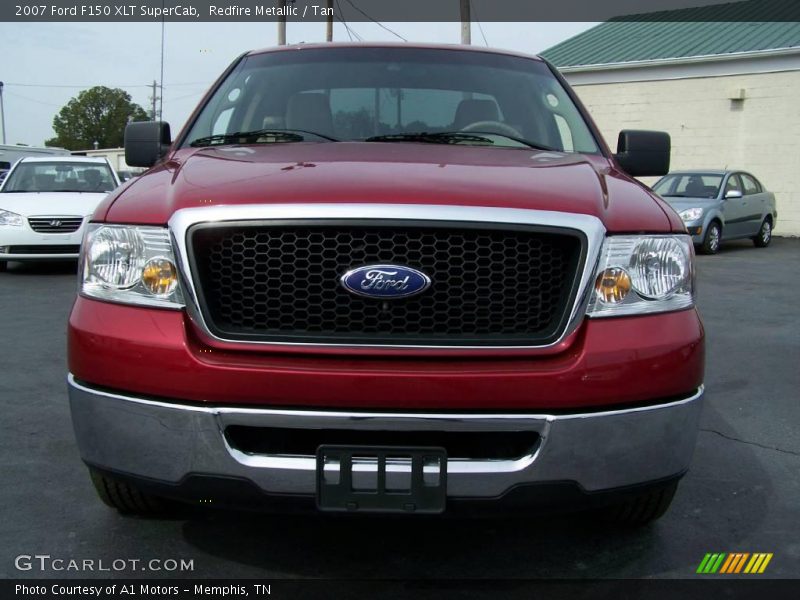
[
  {"x": 400, "y": 173},
  {"x": 610, "y": 362}
]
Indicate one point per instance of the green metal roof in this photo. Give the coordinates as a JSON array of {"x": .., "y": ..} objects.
[{"x": 711, "y": 30}]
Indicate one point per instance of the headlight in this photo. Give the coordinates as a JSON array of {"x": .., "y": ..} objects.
[
  {"x": 691, "y": 214},
  {"x": 10, "y": 218},
  {"x": 643, "y": 274},
  {"x": 133, "y": 265}
]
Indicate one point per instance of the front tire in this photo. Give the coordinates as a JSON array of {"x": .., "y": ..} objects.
[
  {"x": 712, "y": 239},
  {"x": 3, "y": 266},
  {"x": 764, "y": 236},
  {"x": 127, "y": 499},
  {"x": 642, "y": 509}
]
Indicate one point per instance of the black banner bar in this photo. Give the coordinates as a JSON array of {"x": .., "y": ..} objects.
[
  {"x": 395, "y": 10},
  {"x": 728, "y": 588}
]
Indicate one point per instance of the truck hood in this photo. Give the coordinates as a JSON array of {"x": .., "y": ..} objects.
[
  {"x": 62, "y": 204},
  {"x": 396, "y": 173}
]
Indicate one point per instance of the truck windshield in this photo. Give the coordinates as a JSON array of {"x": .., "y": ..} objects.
[
  {"x": 392, "y": 95},
  {"x": 60, "y": 176}
]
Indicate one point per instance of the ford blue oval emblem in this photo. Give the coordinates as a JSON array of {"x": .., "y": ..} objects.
[{"x": 385, "y": 281}]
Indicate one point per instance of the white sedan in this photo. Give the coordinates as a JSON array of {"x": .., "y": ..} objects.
[{"x": 45, "y": 204}]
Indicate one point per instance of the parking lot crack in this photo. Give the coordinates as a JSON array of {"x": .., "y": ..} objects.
[{"x": 735, "y": 439}]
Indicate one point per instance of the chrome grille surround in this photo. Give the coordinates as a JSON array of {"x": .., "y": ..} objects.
[{"x": 184, "y": 219}]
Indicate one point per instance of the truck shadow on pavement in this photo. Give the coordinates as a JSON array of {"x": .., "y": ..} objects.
[
  {"x": 65, "y": 267},
  {"x": 726, "y": 481}
]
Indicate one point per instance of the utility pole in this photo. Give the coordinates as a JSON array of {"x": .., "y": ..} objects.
[
  {"x": 329, "y": 23},
  {"x": 2, "y": 113},
  {"x": 154, "y": 98},
  {"x": 466, "y": 23},
  {"x": 281, "y": 23}
]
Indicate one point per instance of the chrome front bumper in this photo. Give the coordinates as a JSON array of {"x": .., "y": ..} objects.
[{"x": 599, "y": 451}]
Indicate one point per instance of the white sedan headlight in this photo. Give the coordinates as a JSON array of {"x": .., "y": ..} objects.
[
  {"x": 130, "y": 264},
  {"x": 9, "y": 218},
  {"x": 642, "y": 275},
  {"x": 690, "y": 214}
]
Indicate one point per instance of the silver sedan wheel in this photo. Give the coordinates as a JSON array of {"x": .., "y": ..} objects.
[
  {"x": 713, "y": 239},
  {"x": 766, "y": 232},
  {"x": 764, "y": 236}
]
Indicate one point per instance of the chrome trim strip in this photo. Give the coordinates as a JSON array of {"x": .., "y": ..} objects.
[
  {"x": 309, "y": 463},
  {"x": 183, "y": 219},
  {"x": 362, "y": 417}
]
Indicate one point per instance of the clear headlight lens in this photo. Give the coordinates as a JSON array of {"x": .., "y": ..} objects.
[
  {"x": 691, "y": 214},
  {"x": 9, "y": 218},
  {"x": 643, "y": 274},
  {"x": 130, "y": 264}
]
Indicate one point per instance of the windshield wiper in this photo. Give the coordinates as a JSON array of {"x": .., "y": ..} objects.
[
  {"x": 520, "y": 140},
  {"x": 252, "y": 137},
  {"x": 455, "y": 137},
  {"x": 444, "y": 137}
]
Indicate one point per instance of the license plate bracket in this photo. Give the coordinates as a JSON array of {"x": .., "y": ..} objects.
[{"x": 382, "y": 479}]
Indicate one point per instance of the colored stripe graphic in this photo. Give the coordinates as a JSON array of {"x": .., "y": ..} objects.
[
  {"x": 758, "y": 563},
  {"x": 727, "y": 564},
  {"x": 711, "y": 563},
  {"x": 704, "y": 563},
  {"x": 734, "y": 562},
  {"x": 717, "y": 563},
  {"x": 741, "y": 562}
]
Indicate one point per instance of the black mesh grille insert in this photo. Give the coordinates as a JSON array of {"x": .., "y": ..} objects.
[{"x": 490, "y": 286}]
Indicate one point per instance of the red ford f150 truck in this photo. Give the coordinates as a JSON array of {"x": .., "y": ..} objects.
[{"x": 388, "y": 278}]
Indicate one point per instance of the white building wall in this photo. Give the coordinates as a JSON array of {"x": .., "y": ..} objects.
[
  {"x": 115, "y": 156},
  {"x": 760, "y": 134}
]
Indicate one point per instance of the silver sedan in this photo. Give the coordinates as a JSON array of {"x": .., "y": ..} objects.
[{"x": 720, "y": 205}]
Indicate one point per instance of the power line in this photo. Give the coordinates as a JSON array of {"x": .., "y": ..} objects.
[
  {"x": 192, "y": 95},
  {"x": 352, "y": 31},
  {"x": 12, "y": 94},
  {"x": 483, "y": 35},
  {"x": 349, "y": 28},
  {"x": 350, "y": 2},
  {"x": 188, "y": 83},
  {"x": 132, "y": 85},
  {"x": 44, "y": 85},
  {"x": 341, "y": 19}
]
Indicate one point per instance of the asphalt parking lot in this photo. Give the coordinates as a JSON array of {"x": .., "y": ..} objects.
[{"x": 742, "y": 493}]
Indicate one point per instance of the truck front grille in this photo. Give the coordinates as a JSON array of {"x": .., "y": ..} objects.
[{"x": 491, "y": 286}]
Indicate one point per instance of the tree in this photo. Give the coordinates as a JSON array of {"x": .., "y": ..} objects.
[{"x": 98, "y": 114}]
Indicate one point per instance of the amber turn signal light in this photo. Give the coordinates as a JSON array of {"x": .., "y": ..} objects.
[
  {"x": 612, "y": 285},
  {"x": 159, "y": 276}
]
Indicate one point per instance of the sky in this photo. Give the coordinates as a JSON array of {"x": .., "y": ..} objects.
[{"x": 44, "y": 65}]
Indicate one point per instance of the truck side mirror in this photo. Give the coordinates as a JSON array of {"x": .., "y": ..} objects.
[
  {"x": 643, "y": 153},
  {"x": 146, "y": 142}
]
